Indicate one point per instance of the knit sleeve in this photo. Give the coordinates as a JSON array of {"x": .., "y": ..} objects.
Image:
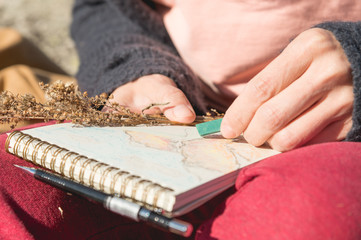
[
  {"x": 119, "y": 41},
  {"x": 349, "y": 35}
]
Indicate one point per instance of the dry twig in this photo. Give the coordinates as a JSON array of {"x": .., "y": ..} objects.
[{"x": 66, "y": 102}]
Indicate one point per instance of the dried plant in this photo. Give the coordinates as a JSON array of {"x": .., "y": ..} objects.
[{"x": 65, "y": 102}]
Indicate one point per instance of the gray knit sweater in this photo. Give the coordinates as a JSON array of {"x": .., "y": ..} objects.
[{"x": 121, "y": 40}]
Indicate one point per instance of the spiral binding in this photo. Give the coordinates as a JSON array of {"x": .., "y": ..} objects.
[{"x": 112, "y": 180}]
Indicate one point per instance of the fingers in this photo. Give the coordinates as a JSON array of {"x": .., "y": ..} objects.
[
  {"x": 336, "y": 131},
  {"x": 158, "y": 93},
  {"x": 320, "y": 122},
  {"x": 179, "y": 109},
  {"x": 279, "y": 74},
  {"x": 292, "y": 100},
  {"x": 279, "y": 111}
]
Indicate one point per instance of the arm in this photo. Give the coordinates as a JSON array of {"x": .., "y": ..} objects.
[
  {"x": 119, "y": 41},
  {"x": 305, "y": 95}
]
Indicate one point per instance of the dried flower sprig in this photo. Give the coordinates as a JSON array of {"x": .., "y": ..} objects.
[{"x": 66, "y": 102}]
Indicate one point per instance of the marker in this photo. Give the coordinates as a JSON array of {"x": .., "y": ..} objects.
[{"x": 118, "y": 205}]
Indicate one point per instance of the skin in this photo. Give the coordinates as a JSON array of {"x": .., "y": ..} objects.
[
  {"x": 304, "y": 96},
  {"x": 155, "y": 88}
]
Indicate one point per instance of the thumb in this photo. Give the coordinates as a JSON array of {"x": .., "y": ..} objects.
[
  {"x": 154, "y": 93},
  {"x": 178, "y": 108}
]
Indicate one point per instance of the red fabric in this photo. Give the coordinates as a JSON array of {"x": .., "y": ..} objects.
[{"x": 309, "y": 193}]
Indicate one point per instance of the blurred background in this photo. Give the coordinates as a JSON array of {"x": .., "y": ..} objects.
[{"x": 47, "y": 24}]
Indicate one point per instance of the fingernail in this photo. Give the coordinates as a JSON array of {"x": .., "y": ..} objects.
[
  {"x": 227, "y": 131},
  {"x": 182, "y": 111}
]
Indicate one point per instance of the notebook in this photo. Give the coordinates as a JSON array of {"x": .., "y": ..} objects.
[{"x": 169, "y": 168}]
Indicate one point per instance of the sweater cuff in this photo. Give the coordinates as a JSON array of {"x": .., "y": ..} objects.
[
  {"x": 349, "y": 35},
  {"x": 128, "y": 64},
  {"x": 181, "y": 75}
]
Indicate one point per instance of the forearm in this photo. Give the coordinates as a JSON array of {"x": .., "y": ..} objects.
[{"x": 120, "y": 41}]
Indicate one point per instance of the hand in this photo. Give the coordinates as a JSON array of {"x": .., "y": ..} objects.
[
  {"x": 305, "y": 95},
  {"x": 156, "y": 88}
]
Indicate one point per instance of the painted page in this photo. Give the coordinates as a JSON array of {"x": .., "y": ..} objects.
[{"x": 175, "y": 157}]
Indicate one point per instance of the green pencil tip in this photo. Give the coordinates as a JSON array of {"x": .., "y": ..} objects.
[{"x": 210, "y": 127}]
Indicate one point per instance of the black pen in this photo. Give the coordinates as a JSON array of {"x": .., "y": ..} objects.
[{"x": 118, "y": 205}]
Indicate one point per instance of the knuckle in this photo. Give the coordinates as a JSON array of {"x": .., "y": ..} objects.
[
  {"x": 338, "y": 72},
  {"x": 271, "y": 116},
  {"x": 318, "y": 39},
  {"x": 171, "y": 93},
  {"x": 284, "y": 141},
  {"x": 344, "y": 102},
  {"x": 262, "y": 88}
]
